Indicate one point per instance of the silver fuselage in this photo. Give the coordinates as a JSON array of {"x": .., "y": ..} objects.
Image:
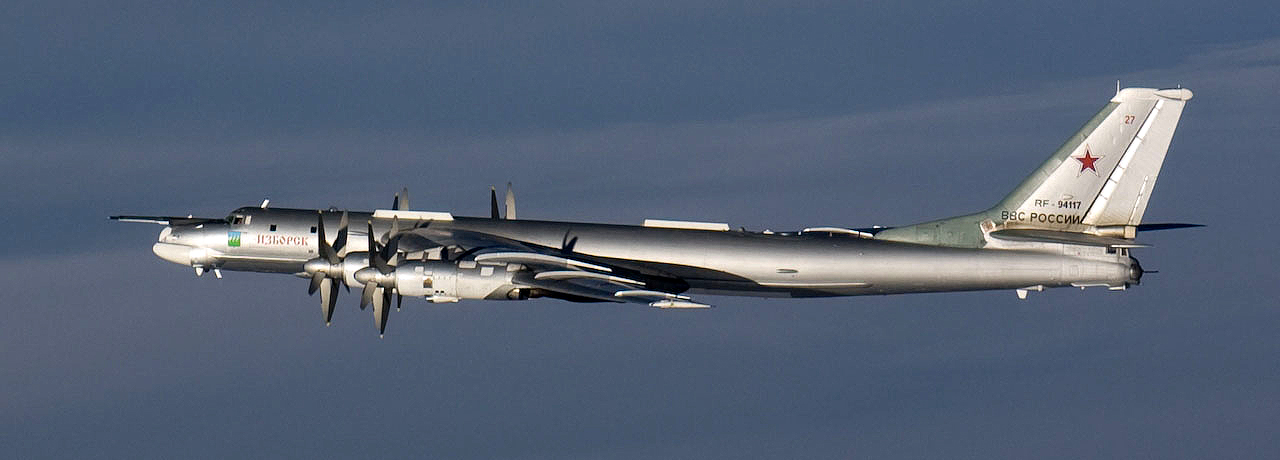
[{"x": 278, "y": 240}]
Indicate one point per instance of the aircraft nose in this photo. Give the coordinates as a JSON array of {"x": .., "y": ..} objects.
[{"x": 176, "y": 253}]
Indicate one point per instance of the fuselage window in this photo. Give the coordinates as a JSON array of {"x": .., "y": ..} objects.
[
  {"x": 313, "y": 229},
  {"x": 273, "y": 227}
]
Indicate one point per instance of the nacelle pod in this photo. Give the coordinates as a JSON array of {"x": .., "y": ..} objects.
[{"x": 440, "y": 281}]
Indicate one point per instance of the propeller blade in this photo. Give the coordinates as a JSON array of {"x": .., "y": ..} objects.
[
  {"x": 395, "y": 229},
  {"x": 511, "y": 203},
  {"x": 401, "y": 202},
  {"x": 376, "y": 258},
  {"x": 567, "y": 243},
  {"x": 340, "y": 242},
  {"x": 316, "y": 279},
  {"x": 326, "y": 250},
  {"x": 391, "y": 250},
  {"x": 493, "y": 204},
  {"x": 375, "y": 254},
  {"x": 399, "y": 300},
  {"x": 328, "y": 299},
  {"x": 392, "y": 256},
  {"x": 380, "y": 310},
  {"x": 366, "y": 296}
]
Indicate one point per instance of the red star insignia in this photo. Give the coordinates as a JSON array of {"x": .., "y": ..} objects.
[{"x": 1086, "y": 161}]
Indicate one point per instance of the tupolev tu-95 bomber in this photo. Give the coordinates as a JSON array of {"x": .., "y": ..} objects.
[{"x": 1071, "y": 223}]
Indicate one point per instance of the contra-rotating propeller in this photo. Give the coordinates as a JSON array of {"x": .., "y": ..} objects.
[
  {"x": 327, "y": 269},
  {"x": 379, "y": 278},
  {"x": 377, "y": 275},
  {"x": 390, "y": 252}
]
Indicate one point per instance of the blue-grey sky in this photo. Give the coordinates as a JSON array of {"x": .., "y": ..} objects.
[{"x": 770, "y": 115}]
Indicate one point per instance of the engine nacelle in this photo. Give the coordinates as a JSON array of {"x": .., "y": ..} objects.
[{"x": 440, "y": 281}]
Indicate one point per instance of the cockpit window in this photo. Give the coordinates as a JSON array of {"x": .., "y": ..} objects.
[{"x": 237, "y": 219}]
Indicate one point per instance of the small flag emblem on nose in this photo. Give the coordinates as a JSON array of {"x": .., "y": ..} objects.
[{"x": 233, "y": 239}]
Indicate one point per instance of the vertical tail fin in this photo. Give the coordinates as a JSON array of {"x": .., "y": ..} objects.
[
  {"x": 1102, "y": 175},
  {"x": 1098, "y": 182}
]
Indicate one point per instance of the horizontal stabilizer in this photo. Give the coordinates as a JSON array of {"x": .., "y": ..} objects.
[
  {"x": 1169, "y": 226},
  {"x": 1051, "y": 236}
]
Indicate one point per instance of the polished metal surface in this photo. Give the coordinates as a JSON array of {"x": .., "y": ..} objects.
[{"x": 1070, "y": 224}]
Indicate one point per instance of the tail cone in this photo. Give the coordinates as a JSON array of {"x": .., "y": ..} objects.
[{"x": 1135, "y": 271}]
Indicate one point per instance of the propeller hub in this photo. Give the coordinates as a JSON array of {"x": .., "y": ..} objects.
[
  {"x": 317, "y": 265},
  {"x": 365, "y": 275},
  {"x": 368, "y": 275}
]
